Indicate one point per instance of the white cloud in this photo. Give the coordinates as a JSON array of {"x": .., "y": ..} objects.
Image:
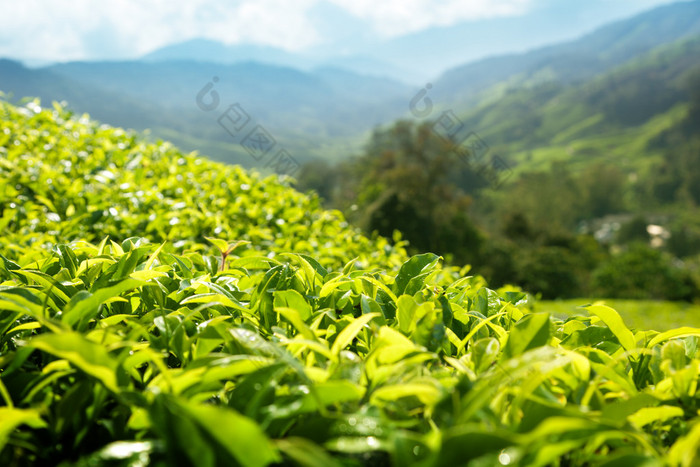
[
  {"x": 79, "y": 29},
  {"x": 398, "y": 17},
  {"x": 94, "y": 29}
]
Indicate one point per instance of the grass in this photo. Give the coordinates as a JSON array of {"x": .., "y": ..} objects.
[{"x": 639, "y": 314}]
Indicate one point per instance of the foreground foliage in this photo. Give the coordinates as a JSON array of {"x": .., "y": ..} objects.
[
  {"x": 185, "y": 359},
  {"x": 246, "y": 334}
]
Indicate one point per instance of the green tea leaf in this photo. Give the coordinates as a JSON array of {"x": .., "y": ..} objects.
[
  {"x": 78, "y": 313},
  {"x": 530, "y": 332},
  {"x": 11, "y": 418},
  {"x": 213, "y": 427},
  {"x": 649, "y": 415},
  {"x": 613, "y": 320},
  {"x": 89, "y": 357},
  {"x": 412, "y": 268},
  {"x": 347, "y": 335}
]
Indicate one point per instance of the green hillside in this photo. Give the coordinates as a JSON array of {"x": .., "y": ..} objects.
[
  {"x": 327, "y": 113},
  {"x": 138, "y": 327},
  {"x": 292, "y": 105},
  {"x": 66, "y": 179},
  {"x": 572, "y": 62},
  {"x": 569, "y": 178},
  {"x": 621, "y": 111}
]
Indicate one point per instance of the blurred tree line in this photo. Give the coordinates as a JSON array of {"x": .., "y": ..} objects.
[{"x": 530, "y": 232}]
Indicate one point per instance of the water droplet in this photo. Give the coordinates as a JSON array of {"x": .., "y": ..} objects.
[
  {"x": 352, "y": 421},
  {"x": 504, "y": 458},
  {"x": 416, "y": 450}
]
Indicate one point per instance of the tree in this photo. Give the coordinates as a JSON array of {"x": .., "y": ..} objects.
[
  {"x": 602, "y": 189},
  {"x": 414, "y": 181},
  {"x": 644, "y": 273}
]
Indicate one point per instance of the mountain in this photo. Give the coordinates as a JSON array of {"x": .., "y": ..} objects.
[
  {"x": 209, "y": 51},
  {"x": 627, "y": 95},
  {"x": 326, "y": 112},
  {"x": 317, "y": 114},
  {"x": 327, "y": 102},
  {"x": 355, "y": 44},
  {"x": 622, "y": 117},
  {"x": 578, "y": 60},
  {"x": 106, "y": 105}
]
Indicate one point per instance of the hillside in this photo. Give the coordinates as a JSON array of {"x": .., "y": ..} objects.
[
  {"x": 571, "y": 62},
  {"x": 415, "y": 57},
  {"x": 87, "y": 181},
  {"x": 311, "y": 114},
  {"x": 109, "y": 106},
  {"x": 582, "y": 170},
  {"x": 320, "y": 111},
  {"x": 116, "y": 348},
  {"x": 614, "y": 116},
  {"x": 209, "y": 51}
]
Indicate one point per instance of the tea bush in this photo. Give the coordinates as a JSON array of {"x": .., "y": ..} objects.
[
  {"x": 64, "y": 178},
  {"x": 138, "y": 327}
]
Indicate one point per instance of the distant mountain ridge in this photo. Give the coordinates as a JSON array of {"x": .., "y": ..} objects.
[
  {"x": 415, "y": 57},
  {"x": 206, "y": 50},
  {"x": 209, "y": 51},
  {"x": 578, "y": 60},
  {"x": 327, "y": 112},
  {"x": 322, "y": 113}
]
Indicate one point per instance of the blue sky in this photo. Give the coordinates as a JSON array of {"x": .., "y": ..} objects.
[{"x": 62, "y": 30}]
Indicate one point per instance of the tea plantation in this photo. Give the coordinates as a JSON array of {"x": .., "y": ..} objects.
[{"x": 160, "y": 309}]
